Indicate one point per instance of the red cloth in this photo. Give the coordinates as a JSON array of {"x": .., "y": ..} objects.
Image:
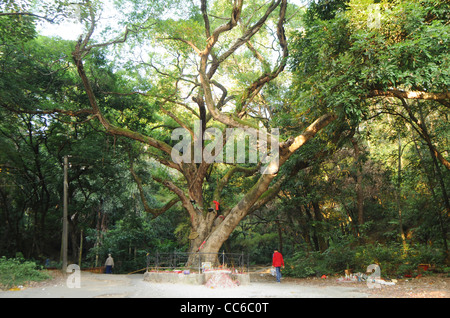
[{"x": 277, "y": 260}]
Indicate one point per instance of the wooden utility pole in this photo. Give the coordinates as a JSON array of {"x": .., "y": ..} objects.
[{"x": 64, "y": 233}]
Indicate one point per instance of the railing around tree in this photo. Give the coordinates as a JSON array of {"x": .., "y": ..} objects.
[{"x": 197, "y": 262}]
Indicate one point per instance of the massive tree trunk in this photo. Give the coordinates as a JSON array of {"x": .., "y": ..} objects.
[{"x": 216, "y": 233}]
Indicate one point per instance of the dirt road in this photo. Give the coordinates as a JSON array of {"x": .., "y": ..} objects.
[{"x": 133, "y": 286}]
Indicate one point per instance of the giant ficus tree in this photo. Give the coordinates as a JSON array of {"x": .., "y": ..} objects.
[{"x": 210, "y": 62}]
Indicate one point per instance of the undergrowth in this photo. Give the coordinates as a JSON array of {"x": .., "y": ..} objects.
[{"x": 18, "y": 271}]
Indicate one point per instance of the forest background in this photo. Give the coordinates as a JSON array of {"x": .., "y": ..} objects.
[{"x": 370, "y": 78}]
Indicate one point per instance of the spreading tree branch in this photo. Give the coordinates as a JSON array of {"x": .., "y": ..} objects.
[
  {"x": 155, "y": 212},
  {"x": 443, "y": 96}
]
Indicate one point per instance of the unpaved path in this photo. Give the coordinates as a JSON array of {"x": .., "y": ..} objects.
[{"x": 133, "y": 286}]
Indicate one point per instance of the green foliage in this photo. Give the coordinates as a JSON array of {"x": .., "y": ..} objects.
[
  {"x": 340, "y": 58},
  {"x": 346, "y": 51},
  {"x": 391, "y": 258},
  {"x": 132, "y": 238},
  {"x": 17, "y": 271}
]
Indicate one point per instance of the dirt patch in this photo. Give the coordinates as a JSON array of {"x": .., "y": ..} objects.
[
  {"x": 423, "y": 286},
  {"x": 261, "y": 286},
  {"x": 436, "y": 286}
]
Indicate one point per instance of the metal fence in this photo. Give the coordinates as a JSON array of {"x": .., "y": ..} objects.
[{"x": 197, "y": 262}]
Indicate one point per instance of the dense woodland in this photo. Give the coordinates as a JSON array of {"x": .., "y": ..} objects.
[{"x": 358, "y": 89}]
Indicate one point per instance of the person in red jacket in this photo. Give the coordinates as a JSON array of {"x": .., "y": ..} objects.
[{"x": 277, "y": 262}]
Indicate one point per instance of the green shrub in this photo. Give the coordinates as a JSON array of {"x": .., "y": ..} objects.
[
  {"x": 17, "y": 271},
  {"x": 446, "y": 270},
  {"x": 304, "y": 264},
  {"x": 392, "y": 259},
  {"x": 388, "y": 257}
]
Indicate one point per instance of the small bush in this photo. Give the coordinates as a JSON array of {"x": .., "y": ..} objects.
[
  {"x": 17, "y": 271},
  {"x": 304, "y": 264}
]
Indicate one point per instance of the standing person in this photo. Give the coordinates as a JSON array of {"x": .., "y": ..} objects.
[
  {"x": 109, "y": 264},
  {"x": 277, "y": 262}
]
